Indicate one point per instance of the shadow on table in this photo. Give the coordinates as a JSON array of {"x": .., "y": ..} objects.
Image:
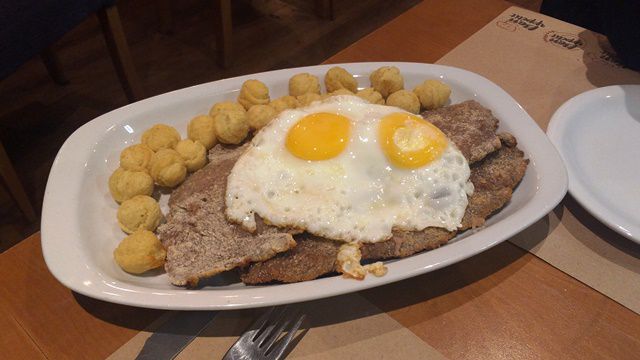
[
  {"x": 121, "y": 315},
  {"x": 604, "y": 233},
  {"x": 602, "y": 63}
]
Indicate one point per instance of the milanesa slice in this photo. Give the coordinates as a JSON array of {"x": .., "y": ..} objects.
[
  {"x": 200, "y": 242},
  {"x": 470, "y": 126},
  {"x": 494, "y": 179}
]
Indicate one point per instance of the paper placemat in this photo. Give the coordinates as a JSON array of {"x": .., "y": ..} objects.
[
  {"x": 343, "y": 327},
  {"x": 543, "y": 62}
]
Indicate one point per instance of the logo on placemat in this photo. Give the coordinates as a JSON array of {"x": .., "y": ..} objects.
[
  {"x": 605, "y": 57},
  {"x": 507, "y": 25},
  {"x": 563, "y": 40},
  {"x": 516, "y": 20}
]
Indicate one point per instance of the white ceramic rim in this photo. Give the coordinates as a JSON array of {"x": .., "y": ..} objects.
[{"x": 560, "y": 123}]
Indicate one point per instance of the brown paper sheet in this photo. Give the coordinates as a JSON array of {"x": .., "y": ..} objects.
[
  {"x": 343, "y": 327},
  {"x": 543, "y": 62}
]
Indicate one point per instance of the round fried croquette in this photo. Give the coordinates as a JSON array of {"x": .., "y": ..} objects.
[
  {"x": 308, "y": 98},
  {"x": 283, "y": 103},
  {"x": 161, "y": 136},
  {"x": 432, "y": 94},
  {"x": 202, "y": 129},
  {"x": 338, "y": 78},
  {"x": 406, "y": 100},
  {"x": 225, "y": 106},
  {"x": 253, "y": 92},
  {"x": 231, "y": 126},
  {"x": 371, "y": 95},
  {"x": 259, "y": 115},
  {"x": 387, "y": 80},
  {"x": 168, "y": 168},
  {"x": 304, "y": 83},
  {"x": 141, "y": 212},
  {"x": 136, "y": 157},
  {"x": 125, "y": 184},
  {"x": 193, "y": 153},
  {"x": 140, "y": 252}
]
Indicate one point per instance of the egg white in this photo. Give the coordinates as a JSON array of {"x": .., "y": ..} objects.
[{"x": 356, "y": 196}]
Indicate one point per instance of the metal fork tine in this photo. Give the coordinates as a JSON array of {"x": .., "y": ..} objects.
[
  {"x": 283, "y": 322},
  {"x": 263, "y": 334},
  {"x": 269, "y": 331},
  {"x": 261, "y": 322},
  {"x": 281, "y": 347}
]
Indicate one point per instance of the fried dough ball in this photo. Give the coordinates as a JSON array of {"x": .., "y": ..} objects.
[
  {"x": 341, "y": 92},
  {"x": 139, "y": 252},
  {"x": 308, "y": 98},
  {"x": 284, "y": 103},
  {"x": 125, "y": 184},
  {"x": 259, "y": 115},
  {"x": 202, "y": 129},
  {"x": 371, "y": 95},
  {"x": 387, "y": 80},
  {"x": 136, "y": 157},
  {"x": 406, "y": 100},
  {"x": 231, "y": 126},
  {"x": 339, "y": 78},
  {"x": 304, "y": 83},
  {"x": 432, "y": 94},
  {"x": 168, "y": 168},
  {"x": 141, "y": 212},
  {"x": 161, "y": 136},
  {"x": 225, "y": 106},
  {"x": 193, "y": 153},
  {"x": 253, "y": 92}
]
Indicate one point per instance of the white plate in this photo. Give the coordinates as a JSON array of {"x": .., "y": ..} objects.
[
  {"x": 598, "y": 135},
  {"x": 79, "y": 230}
]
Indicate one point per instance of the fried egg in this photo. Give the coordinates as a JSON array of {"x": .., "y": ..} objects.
[{"x": 348, "y": 170}]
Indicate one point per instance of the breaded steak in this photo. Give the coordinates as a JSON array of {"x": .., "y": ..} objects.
[
  {"x": 200, "y": 242},
  {"x": 317, "y": 256},
  {"x": 312, "y": 257},
  {"x": 470, "y": 126}
]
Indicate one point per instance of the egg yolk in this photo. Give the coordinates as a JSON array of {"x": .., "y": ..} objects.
[
  {"x": 319, "y": 136},
  {"x": 410, "y": 142}
]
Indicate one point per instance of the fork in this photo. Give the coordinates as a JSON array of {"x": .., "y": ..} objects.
[{"x": 259, "y": 341}]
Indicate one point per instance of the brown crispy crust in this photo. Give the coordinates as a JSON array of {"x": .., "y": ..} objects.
[
  {"x": 315, "y": 256},
  {"x": 311, "y": 258},
  {"x": 503, "y": 169},
  {"x": 200, "y": 242},
  {"x": 470, "y": 126}
]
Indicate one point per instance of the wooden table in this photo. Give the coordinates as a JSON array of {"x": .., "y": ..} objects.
[{"x": 502, "y": 304}]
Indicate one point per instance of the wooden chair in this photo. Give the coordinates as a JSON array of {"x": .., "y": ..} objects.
[
  {"x": 324, "y": 9},
  {"x": 29, "y": 28},
  {"x": 119, "y": 50},
  {"x": 222, "y": 27},
  {"x": 223, "y": 24},
  {"x": 14, "y": 186}
]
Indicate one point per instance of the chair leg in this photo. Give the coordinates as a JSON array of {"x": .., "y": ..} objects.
[
  {"x": 324, "y": 9},
  {"x": 165, "y": 16},
  {"x": 52, "y": 63},
  {"x": 117, "y": 44},
  {"x": 223, "y": 32},
  {"x": 16, "y": 189}
]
